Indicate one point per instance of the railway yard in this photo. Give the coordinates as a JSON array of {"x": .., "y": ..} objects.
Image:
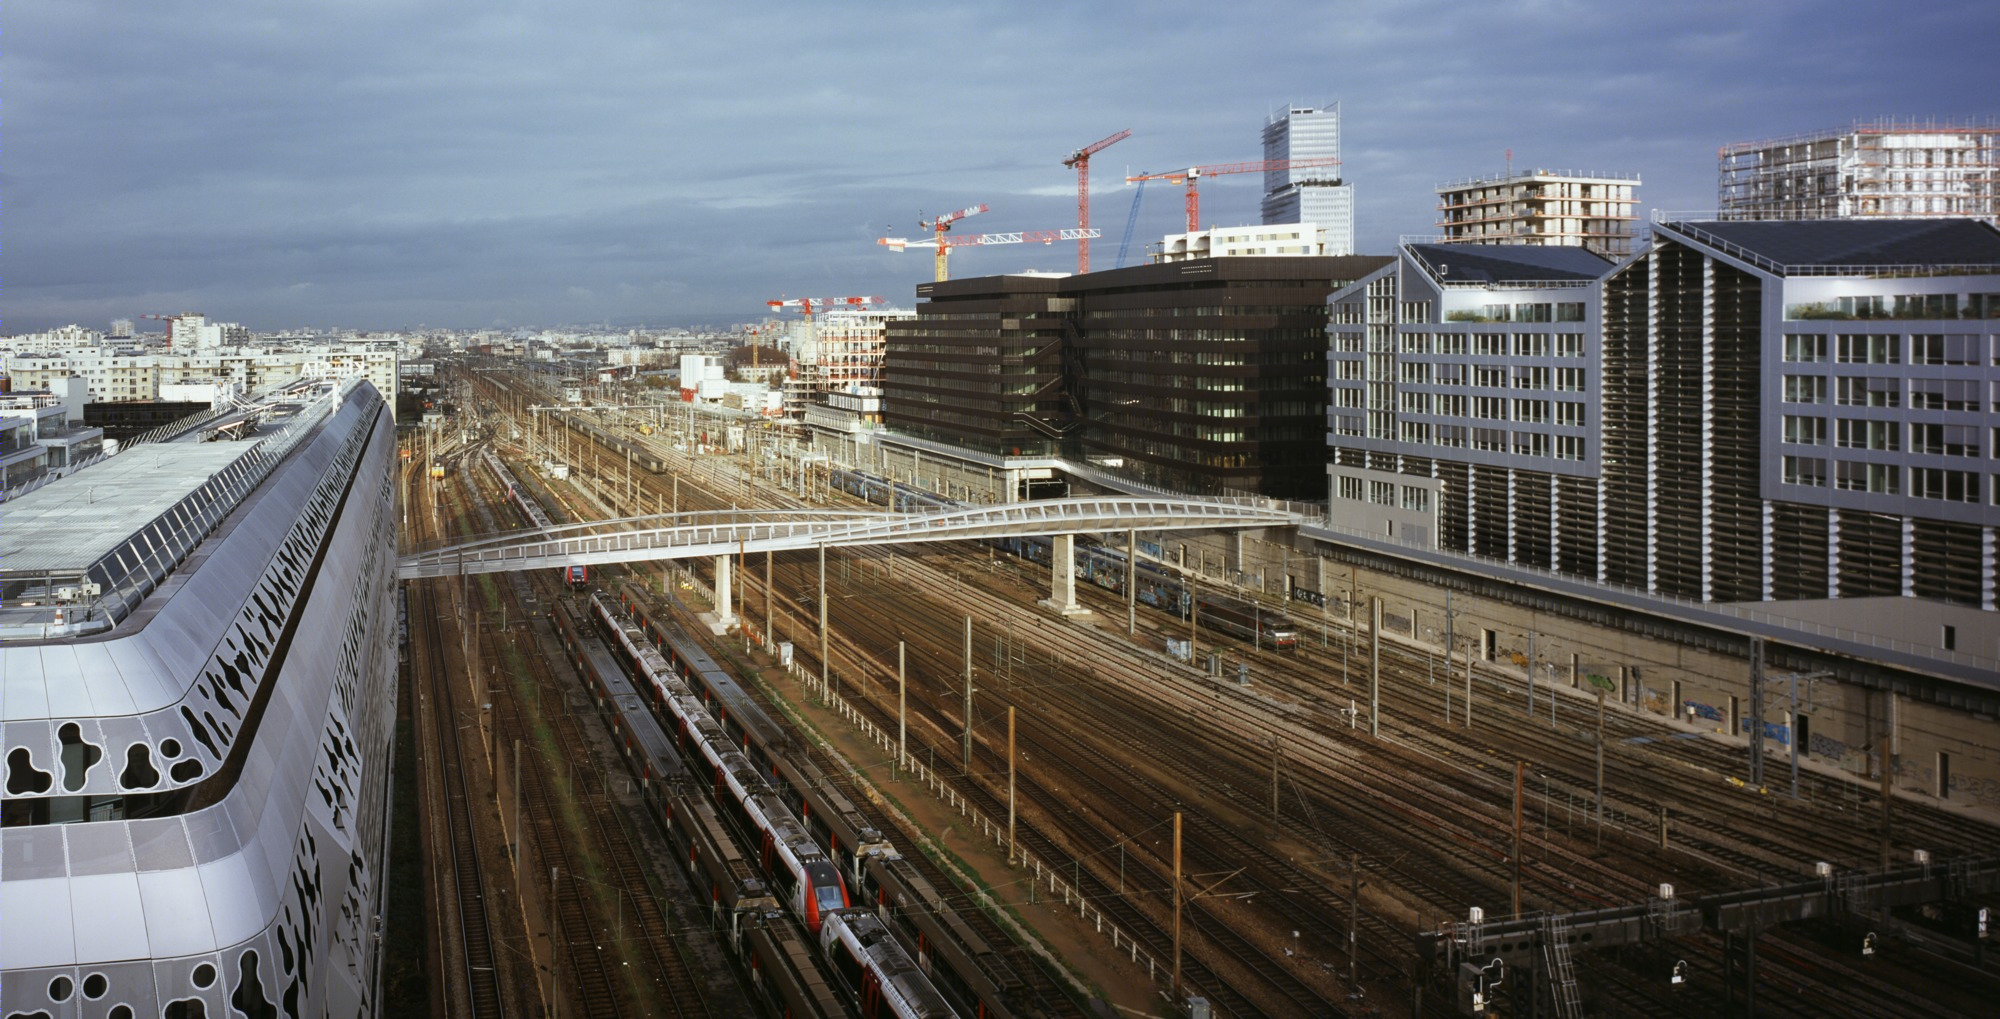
[{"x": 1044, "y": 815}]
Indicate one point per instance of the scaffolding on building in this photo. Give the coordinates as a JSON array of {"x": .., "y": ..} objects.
[
  {"x": 1884, "y": 168},
  {"x": 1549, "y": 207}
]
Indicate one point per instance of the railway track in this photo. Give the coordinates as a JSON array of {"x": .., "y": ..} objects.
[{"x": 1724, "y": 840}]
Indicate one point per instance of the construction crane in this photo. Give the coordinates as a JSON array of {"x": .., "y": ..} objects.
[
  {"x": 945, "y": 244},
  {"x": 1192, "y": 177},
  {"x": 943, "y": 223},
  {"x": 1131, "y": 220},
  {"x": 1081, "y": 160}
]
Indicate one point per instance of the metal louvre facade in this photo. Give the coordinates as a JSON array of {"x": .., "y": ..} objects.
[{"x": 196, "y": 801}]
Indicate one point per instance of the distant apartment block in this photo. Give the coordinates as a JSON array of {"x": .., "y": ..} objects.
[
  {"x": 1748, "y": 411},
  {"x": 1548, "y": 207},
  {"x": 113, "y": 375},
  {"x": 1317, "y": 195},
  {"x": 1880, "y": 168}
]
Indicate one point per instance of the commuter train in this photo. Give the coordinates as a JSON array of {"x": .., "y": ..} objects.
[
  {"x": 880, "y": 977},
  {"x": 576, "y": 575},
  {"x": 973, "y": 973}
]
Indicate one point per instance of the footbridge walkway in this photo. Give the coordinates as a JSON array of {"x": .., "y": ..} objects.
[{"x": 727, "y": 532}]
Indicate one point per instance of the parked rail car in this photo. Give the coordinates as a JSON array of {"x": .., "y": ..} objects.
[
  {"x": 1105, "y": 567},
  {"x": 880, "y": 978},
  {"x": 779, "y": 956},
  {"x": 805, "y": 879},
  {"x": 879, "y": 491},
  {"x": 971, "y": 972}
]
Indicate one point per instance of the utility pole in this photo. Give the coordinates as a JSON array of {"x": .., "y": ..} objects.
[
  {"x": 1010, "y": 785},
  {"x": 1131, "y": 588},
  {"x": 1531, "y": 681},
  {"x": 1277, "y": 754},
  {"x": 1600, "y": 764},
  {"x": 902, "y": 714},
  {"x": 1520, "y": 771},
  {"x": 823, "y": 672},
  {"x": 1177, "y": 907},
  {"x": 1375, "y": 668},
  {"x": 1757, "y": 712},
  {"x": 1886, "y": 799},
  {"x": 965, "y": 765},
  {"x": 1449, "y": 618}
]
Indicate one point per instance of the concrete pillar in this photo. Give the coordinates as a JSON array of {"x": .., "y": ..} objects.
[
  {"x": 725, "y": 607},
  {"x": 1062, "y": 576}
]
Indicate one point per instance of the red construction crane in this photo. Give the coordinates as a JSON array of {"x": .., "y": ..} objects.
[
  {"x": 809, "y": 304},
  {"x": 943, "y": 223},
  {"x": 1193, "y": 174},
  {"x": 945, "y": 244},
  {"x": 1081, "y": 160}
]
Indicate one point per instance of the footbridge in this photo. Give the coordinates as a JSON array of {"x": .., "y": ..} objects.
[{"x": 726, "y": 533}]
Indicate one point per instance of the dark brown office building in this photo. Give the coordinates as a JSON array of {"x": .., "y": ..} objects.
[{"x": 1203, "y": 376}]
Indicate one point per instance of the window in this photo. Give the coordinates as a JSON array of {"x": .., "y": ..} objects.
[
  {"x": 1350, "y": 488},
  {"x": 1348, "y": 369},
  {"x": 1950, "y": 486},
  {"x": 1944, "y": 440},
  {"x": 1569, "y": 345},
  {"x": 1805, "y": 388},
  {"x": 1531, "y": 410},
  {"x": 1568, "y": 413},
  {"x": 1870, "y": 348},
  {"x": 1451, "y": 435},
  {"x": 1417, "y": 499},
  {"x": 1944, "y": 394},
  {"x": 1805, "y": 347},
  {"x": 1531, "y": 344},
  {"x": 1347, "y": 343},
  {"x": 1569, "y": 447},
  {"x": 1449, "y": 405},
  {"x": 1415, "y": 403},
  {"x": 1531, "y": 378},
  {"x": 1490, "y": 344},
  {"x": 1862, "y": 391},
  {"x": 1531, "y": 444},
  {"x": 1414, "y": 372},
  {"x": 1569, "y": 380},
  {"x": 1490, "y": 407},
  {"x": 1569, "y": 311},
  {"x": 1348, "y": 398},
  {"x": 1856, "y": 434},
  {"x": 1382, "y": 492},
  {"x": 1490, "y": 376},
  {"x": 1415, "y": 431},
  {"x": 1805, "y": 470},
  {"x": 1951, "y": 348},
  {"x": 1855, "y": 476},
  {"x": 1451, "y": 343},
  {"x": 1490, "y": 439},
  {"x": 1805, "y": 431},
  {"x": 1416, "y": 343},
  {"x": 1449, "y": 374}
]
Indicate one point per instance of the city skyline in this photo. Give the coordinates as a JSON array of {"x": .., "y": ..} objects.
[{"x": 390, "y": 166}]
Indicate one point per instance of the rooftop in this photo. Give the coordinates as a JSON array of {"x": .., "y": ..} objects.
[
  {"x": 1855, "y": 243},
  {"x": 1504, "y": 264}
]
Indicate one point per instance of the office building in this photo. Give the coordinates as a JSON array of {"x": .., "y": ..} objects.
[
  {"x": 118, "y": 375},
  {"x": 1746, "y": 411},
  {"x": 1243, "y": 242},
  {"x": 1586, "y": 210},
  {"x": 1463, "y": 401},
  {"x": 1318, "y": 195},
  {"x": 199, "y": 645},
  {"x": 1202, "y": 376},
  {"x": 1886, "y": 168}
]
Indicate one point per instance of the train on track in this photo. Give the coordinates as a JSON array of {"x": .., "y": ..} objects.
[
  {"x": 879, "y": 976},
  {"x": 1103, "y": 566},
  {"x": 576, "y": 575}
]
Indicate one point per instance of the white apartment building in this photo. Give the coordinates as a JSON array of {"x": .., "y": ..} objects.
[
  {"x": 1269, "y": 240},
  {"x": 1546, "y": 207},
  {"x": 120, "y": 376}
]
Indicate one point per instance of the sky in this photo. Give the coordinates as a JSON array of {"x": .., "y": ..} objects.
[{"x": 383, "y": 165}]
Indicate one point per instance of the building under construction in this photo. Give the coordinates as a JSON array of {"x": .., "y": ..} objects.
[
  {"x": 1546, "y": 207},
  {"x": 1884, "y": 168}
]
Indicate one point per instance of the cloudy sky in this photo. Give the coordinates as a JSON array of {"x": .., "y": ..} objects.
[{"x": 389, "y": 163}]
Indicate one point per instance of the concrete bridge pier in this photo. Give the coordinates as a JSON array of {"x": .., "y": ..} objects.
[
  {"x": 1062, "y": 576},
  {"x": 725, "y": 603}
]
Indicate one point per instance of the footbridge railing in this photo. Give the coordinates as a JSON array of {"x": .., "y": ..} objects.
[{"x": 693, "y": 535}]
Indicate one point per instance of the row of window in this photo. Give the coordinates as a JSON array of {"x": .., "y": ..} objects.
[
  {"x": 1867, "y": 391},
  {"x": 1493, "y": 344},
  {"x": 1885, "y": 479},
  {"x": 1537, "y": 311},
  {"x": 1888, "y": 348},
  {"x": 1899, "y": 306},
  {"x": 1930, "y": 438},
  {"x": 1198, "y": 311}
]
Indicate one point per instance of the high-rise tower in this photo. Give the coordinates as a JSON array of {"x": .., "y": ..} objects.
[{"x": 1316, "y": 195}]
